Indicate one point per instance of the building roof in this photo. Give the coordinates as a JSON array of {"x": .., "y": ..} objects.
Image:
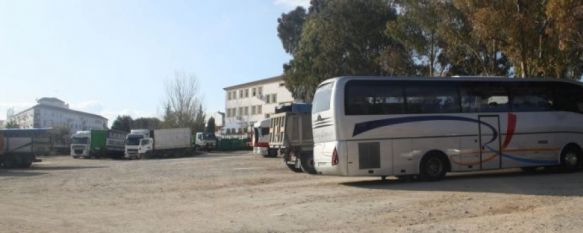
[
  {"x": 62, "y": 109},
  {"x": 256, "y": 82},
  {"x": 50, "y": 99}
]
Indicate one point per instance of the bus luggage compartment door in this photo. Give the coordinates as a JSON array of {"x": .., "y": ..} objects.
[
  {"x": 371, "y": 158},
  {"x": 489, "y": 141}
]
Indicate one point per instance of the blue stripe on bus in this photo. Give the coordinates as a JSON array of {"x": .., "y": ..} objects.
[{"x": 370, "y": 125}]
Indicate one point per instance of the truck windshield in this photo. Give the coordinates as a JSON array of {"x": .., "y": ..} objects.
[
  {"x": 134, "y": 140},
  {"x": 80, "y": 140}
]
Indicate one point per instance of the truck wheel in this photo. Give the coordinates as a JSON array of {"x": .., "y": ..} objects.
[
  {"x": 25, "y": 164},
  {"x": 307, "y": 162},
  {"x": 9, "y": 163},
  {"x": 292, "y": 167}
]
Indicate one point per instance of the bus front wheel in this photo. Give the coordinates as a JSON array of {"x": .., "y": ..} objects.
[{"x": 434, "y": 166}]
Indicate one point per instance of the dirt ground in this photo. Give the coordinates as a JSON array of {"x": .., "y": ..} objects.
[{"x": 239, "y": 192}]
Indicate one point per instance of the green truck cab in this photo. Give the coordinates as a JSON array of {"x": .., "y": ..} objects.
[{"x": 98, "y": 143}]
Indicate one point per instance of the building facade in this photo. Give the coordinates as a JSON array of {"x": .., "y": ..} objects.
[
  {"x": 54, "y": 113},
  {"x": 251, "y": 102}
]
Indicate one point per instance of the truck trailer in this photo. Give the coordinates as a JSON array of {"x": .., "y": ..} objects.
[
  {"x": 144, "y": 143},
  {"x": 19, "y": 147},
  {"x": 291, "y": 135},
  {"x": 98, "y": 143}
]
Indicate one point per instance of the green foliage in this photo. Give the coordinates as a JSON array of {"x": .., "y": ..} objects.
[
  {"x": 343, "y": 37},
  {"x": 542, "y": 38},
  {"x": 289, "y": 28},
  {"x": 122, "y": 123},
  {"x": 146, "y": 123},
  {"x": 211, "y": 126},
  {"x": 12, "y": 124}
]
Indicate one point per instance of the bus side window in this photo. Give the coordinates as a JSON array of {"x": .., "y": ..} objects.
[
  {"x": 483, "y": 98},
  {"x": 531, "y": 97},
  {"x": 569, "y": 97}
]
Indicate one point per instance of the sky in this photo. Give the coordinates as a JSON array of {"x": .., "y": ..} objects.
[{"x": 112, "y": 57}]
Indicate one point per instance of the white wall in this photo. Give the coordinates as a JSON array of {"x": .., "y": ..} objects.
[{"x": 240, "y": 120}]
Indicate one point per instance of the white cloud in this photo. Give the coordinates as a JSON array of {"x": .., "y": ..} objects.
[{"x": 290, "y": 4}]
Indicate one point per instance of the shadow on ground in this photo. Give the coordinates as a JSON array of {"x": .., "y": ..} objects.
[
  {"x": 55, "y": 168},
  {"x": 504, "y": 182},
  {"x": 19, "y": 173}
]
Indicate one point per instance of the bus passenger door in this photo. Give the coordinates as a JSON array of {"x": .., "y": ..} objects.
[{"x": 489, "y": 141}]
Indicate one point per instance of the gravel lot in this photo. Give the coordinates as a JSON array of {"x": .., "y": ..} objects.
[{"x": 238, "y": 192}]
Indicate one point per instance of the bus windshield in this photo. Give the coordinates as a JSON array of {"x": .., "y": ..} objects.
[{"x": 322, "y": 98}]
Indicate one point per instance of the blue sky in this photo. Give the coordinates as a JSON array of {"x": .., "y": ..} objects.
[{"x": 113, "y": 57}]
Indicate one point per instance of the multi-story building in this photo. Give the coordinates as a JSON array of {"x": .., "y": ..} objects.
[
  {"x": 52, "y": 113},
  {"x": 251, "y": 102}
]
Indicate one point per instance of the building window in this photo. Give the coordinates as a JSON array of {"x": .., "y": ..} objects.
[
  {"x": 240, "y": 94},
  {"x": 267, "y": 99},
  {"x": 258, "y": 109},
  {"x": 260, "y": 91},
  {"x": 228, "y": 95},
  {"x": 253, "y": 110},
  {"x": 246, "y": 93},
  {"x": 254, "y": 92},
  {"x": 246, "y": 111},
  {"x": 274, "y": 98},
  {"x": 240, "y": 111}
]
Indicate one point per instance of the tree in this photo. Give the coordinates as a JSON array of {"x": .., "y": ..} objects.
[
  {"x": 182, "y": 105},
  {"x": 122, "y": 123},
  {"x": 539, "y": 37},
  {"x": 210, "y": 126},
  {"x": 343, "y": 37},
  {"x": 146, "y": 123},
  {"x": 289, "y": 28},
  {"x": 12, "y": 124}
]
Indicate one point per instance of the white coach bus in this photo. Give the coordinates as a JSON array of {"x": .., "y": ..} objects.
[{"x": 426, "y": 127}]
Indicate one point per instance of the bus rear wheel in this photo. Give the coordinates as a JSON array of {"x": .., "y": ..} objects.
[
  {"x": 433, "y": 167},
  {"x": 571, "y": 158}
]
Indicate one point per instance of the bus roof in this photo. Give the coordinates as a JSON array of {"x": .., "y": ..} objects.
[{"x": 455, "y": 78}]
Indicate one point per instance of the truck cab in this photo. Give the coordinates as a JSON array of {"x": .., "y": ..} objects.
[
  {"x": 205, "y": 141},
  {"x": 138, "y": 143},
  {"x": 80, "y": 144}
]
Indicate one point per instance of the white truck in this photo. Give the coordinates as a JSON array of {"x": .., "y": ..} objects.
[
  {"x": 205, "y": 141},
  {"x": 144, "y": 143},
  {"x": 291, "y": 135},
  {"x": 260, "y": 139}
]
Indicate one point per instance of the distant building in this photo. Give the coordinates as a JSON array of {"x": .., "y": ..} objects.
[
  {"x": 251, "y": 102},
  {"x": 52, "y": 113},
  {"x": 2, "y": 124}
]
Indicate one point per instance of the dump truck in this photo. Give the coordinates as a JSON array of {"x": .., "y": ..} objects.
[
  {"x": 144, "y": 143},
  {"x": 291, "y": 136},
  {"x": 19, "y": 147},
  {"x": 98, "y": 143}
]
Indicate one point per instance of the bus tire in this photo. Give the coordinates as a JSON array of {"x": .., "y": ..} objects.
[
  {"x": 571, "y": 158},
  {"x": 434, "y": 166},
  {"x": 307, "y": 162}
]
